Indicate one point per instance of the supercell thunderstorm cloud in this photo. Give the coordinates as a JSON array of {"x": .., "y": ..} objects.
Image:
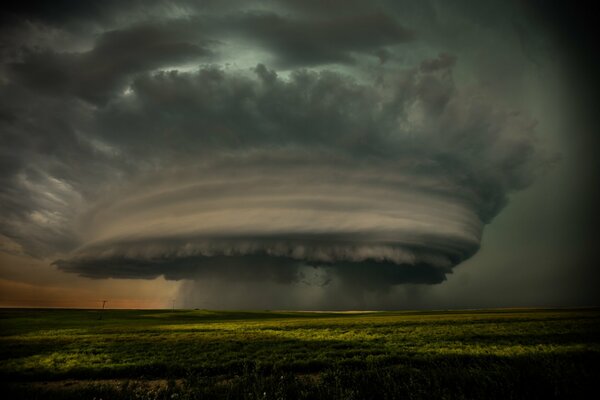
[
  {"x": 313, "y": 170},
  {"x": 257, "y": 144}
]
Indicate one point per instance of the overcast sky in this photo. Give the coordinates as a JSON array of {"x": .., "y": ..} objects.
[{"x": 296, "y": 154}]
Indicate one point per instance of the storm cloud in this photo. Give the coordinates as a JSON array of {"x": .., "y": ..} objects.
[
  {"x": 316, "y": 169},
  {"x": 253, "y": 142},
  {"x": 96, "y": 75}
]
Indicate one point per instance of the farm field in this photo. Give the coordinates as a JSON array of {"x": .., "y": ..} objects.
[{"x": 189, "y": 354}]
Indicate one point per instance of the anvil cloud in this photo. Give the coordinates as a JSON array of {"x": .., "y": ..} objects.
[{"x": 251, "y": 141}]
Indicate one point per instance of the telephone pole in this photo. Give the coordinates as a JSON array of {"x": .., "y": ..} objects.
[{"x": 102, "y": 311}]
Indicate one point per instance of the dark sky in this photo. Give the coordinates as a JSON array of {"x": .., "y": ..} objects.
[{"x": 297, "y": 154}]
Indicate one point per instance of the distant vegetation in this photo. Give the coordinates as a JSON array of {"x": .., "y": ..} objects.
[{"x": 499, "y": 354}]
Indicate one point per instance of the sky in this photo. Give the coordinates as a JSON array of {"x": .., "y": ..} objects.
[{"x": 297, "y": 154}]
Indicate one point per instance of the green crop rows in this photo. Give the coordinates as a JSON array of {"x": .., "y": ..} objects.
[{"x": 210, "y": 354}]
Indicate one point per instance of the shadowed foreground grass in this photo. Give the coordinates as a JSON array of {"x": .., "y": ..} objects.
[{"x": 287, "y": 355}]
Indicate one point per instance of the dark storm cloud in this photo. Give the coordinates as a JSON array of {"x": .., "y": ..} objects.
[
  {"x": 298, "y": 42},
  {"x": 85, "y": 16},
  {"x": 64, "y": 11},
  {"x": 409, "y": 175},
  {"x": 423, "y": 120},
  {"x": 48, "y": 167},
  {"x": 258, "y": 268},
  {"x": 256, "y": 259},
  {"x": 250, "y": 172},
  {"x": 96, "y": 75}
]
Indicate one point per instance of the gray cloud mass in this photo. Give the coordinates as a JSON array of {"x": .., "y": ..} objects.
[{"x": 267, "y": 141}]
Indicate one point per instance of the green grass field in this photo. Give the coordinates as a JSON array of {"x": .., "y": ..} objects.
[{"x": 287, "y": 355}]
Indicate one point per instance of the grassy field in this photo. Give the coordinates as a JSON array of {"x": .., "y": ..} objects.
[{"x": 287, "y": 355}]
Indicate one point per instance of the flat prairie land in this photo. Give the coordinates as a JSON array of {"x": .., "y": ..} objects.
[{"x": 200, "y": 354}]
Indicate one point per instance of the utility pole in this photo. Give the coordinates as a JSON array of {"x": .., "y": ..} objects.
[
  {"x": 173, "y": 305},
  {"x": 102, "y": 311}
]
